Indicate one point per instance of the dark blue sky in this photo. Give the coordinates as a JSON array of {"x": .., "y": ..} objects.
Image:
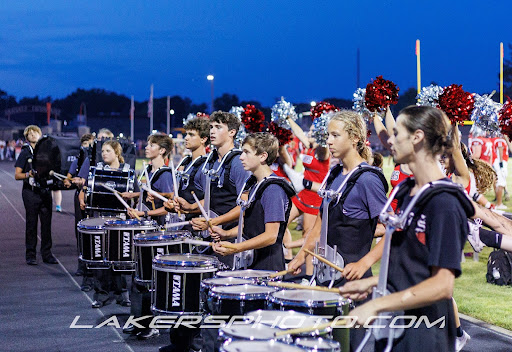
[{"x": 303, "y": 50}]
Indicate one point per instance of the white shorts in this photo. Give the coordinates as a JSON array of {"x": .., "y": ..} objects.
[{"x": 501, "y": 172}]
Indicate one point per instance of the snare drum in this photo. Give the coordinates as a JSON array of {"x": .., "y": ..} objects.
[
  {"x": 208, "y": 284},
  {"x": 318, "y": 344},
  {"x": 148, "y": 245},
  {"x": 311, "y": 302},
  {"x": 259, "y": 346},
  {"x": 119, "y": 238},
  {"x": 290, "y": 320},
  {"x": 177, "y": 280},
  {"x": 239, "y": 299},
  {"x": 257, "y": 276},
  {"x": 250, "y": 332},
  {"x": 101, "y": 199},
  {"x": 91, "y": 242}
]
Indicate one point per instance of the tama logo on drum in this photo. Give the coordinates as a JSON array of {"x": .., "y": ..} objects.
[
  {"x": 97, "y": 246},
  {"x": 176, "y": 290},
  {"x": 126, "y": 245}
]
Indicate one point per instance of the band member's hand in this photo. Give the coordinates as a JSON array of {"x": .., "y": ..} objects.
[
  {"x": 82, "y": 205},
  {"x": 296, "y": 263},
  {"x": 218, "y": 233},
  {"x": 199, "y": 224},
  {"x": 355, "y": 271},
  {"x": 357, "y": 290},
  {"x": 184, "y": 205},
  {"x": 150, "y": 198},
  {"x": 127, "y": 195},
  {"x": 67, "y": 182},
  {"x": 169, "y": 205},
  {"x": 364, "y": 313},
  {"x": 218, "y": 248},
  {"x": 134, "y": 213},
  {"x": 78, "y": 181}
]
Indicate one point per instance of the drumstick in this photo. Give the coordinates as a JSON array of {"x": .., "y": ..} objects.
[
  {"x": 117, "y": 194},
  {"x": 178, "y": 224},
  {"x": 202, "y": 210},
  {"x": 297, "y": 331},
  {"x": 303, "y": 287},
  {"x": 205, "y": 243},
  {"x": 323, "y": 260},
  {"x": 59, "y": 176},
  {"x": 175, "y": 183},
  {"x": 156, "y": 194},
  {"x": 281, "y": 273}
]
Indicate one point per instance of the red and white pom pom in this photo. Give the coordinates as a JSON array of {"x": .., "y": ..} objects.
[
  {"x": 283, "y": 135},
  {"x": 321, "y": 108},
  {"x": 380, "y": 94},
  {"x": 505, "y": 118},
  {"x": 253, "y": 119},
  {"x": 203, "y": 115},
  {"x": 456, "y": 103}
]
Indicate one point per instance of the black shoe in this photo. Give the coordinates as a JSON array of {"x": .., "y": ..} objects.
[
  {"x": 148, "y": 334},
  {"x": 50, "y": 260},
  {"x": 86, "y": 287},
  {"x": 131, "y": 329},
  {"x": 79, "y": 272},
  {"x": 31, "y": 262},
  {"x": 97, "y": 304}
]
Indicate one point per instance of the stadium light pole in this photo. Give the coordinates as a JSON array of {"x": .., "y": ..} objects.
[{"x": 210, "y": 78}]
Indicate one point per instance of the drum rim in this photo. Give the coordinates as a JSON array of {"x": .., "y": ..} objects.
[
  {"x": 210, "y": 261},
  {"x": 81, "y": 226},
  {"x": 270, "y": 272},
  {"x": 208, "y": 283},
  {"x": 131, "y": 223},
  {"x": 246, "y": 296},
  {"x": 158, "y": 237},
  {"x": 309, "y": 303}
]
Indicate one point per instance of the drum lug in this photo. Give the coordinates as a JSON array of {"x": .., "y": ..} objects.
[{"x": 242, "y": 306}]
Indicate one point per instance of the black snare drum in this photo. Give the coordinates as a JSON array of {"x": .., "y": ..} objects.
[
  {"x": 256, "y": 276},
  {"x": 101, "y": 199},
  {"x": 119, "y": 238},
  {"x": 177, "y": 280},
  {"x": 149, "y": 245},
  {"x": 91, "y": 242},
  {"x": 239, "y": 299},
  {"x": 208, "y": 284},
  {"x": 259, "y": 346}
]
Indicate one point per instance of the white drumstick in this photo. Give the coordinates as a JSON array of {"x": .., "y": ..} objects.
[
  {"x": 156, "y": 194},
  {"x": 197, "y": 242},
  {"x": 175, "y": 183},
  {"x": 178, "y": 224},
  {"x": 117, "y": 194},
  {"x": 57, "y": 175},
  {"x": 200, "y": 207}
]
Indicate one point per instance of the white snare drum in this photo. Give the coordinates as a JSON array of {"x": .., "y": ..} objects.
[
  {"x": 239, "y": 299},
  {"x": 149, "y": 245},
  {"x": 250, "y": 332},
  {"x": 259, "y": 346},
  {"x": 119, "y": 238},
  {"x": 318, "y": 344},
  {"x": 91, "y": 242},
  {"x": 177, "y": 280},
  {"x": 257, "y": 276},
  {"x": 208, "y": 284}
]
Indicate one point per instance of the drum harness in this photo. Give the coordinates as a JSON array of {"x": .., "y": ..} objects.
[{"x": 380, "y": 327}]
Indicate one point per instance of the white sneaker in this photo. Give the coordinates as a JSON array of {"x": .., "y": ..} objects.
[
  {"x": 460, "y": 342},
  {"x": 474, "y": 236},
  {"x": 501, "y": 207}
]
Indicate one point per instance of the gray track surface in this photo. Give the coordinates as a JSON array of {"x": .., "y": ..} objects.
[{"x": 39, "y": 303}]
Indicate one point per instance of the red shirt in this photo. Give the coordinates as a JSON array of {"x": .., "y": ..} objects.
[
  {"x": 397, "y": 176},
  {"x": 278, "y": 170},
  {"x": 486, "y": 143},
  {"x": 499, "y": 142}
]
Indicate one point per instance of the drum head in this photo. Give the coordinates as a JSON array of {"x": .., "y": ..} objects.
[
  {"x": 260, "y": 346},
  {"x": 251, "y": 332},
  {"x": 306, "y": 298},
  {"x": 94, "y": 223},
  {"x": 318, "y": 344},
  {"x": 246, "y": 274},
  {"x": 226, "y": 281},
  {"x": 130, "y": 223},
  {"x": 161, "y": 237},
  {"x": 185, "y": 260},
  {"x": 287, "y": 319},
  {"x": 247, "y": 292}
]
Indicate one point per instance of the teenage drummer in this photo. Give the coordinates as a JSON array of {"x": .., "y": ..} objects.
[{"x": 267, "y": 212}]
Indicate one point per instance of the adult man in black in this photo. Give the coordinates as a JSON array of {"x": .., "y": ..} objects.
[{"x": 37, "y": 201}]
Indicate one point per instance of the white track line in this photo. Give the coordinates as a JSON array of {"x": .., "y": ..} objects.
[{"x": 72, "y": 278}]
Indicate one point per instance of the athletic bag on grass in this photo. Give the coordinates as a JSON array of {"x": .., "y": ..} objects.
[{"x": 499, "y": 268}]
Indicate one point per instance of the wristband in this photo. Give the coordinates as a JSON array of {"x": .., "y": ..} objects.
[
  {"x": 146, "y": 213},
  {"x": 307, "y": 184},
  {"x": 26, "y": 174}
]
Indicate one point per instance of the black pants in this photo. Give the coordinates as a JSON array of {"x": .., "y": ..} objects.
[
  {"x": 106, "y": 281},
  {"x": 141, "y": 303},
  {"x": 38, "y": 204}
]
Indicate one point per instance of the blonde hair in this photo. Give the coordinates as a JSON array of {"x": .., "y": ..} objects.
[
  {"x": 117, "y": 149},
  {"x": 355, "y": 126},
  {"x": 33, "y": 128}
]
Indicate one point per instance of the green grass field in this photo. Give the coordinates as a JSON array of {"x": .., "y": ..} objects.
[{"x": 474, "y": 296}]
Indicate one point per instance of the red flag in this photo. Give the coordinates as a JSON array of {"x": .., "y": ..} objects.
[{"x": 48, "y": 111}]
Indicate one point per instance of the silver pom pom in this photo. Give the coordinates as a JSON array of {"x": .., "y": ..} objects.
[
  {"x": 237, "y": 111},
  {"x": 188, "y": 118},
  {"x": 320, "y": 128},
  {"x": 281, "y": 111},
  {"x": 240, "y": 136},
  {"x": 360, "y": 105},
  {"x": 429, "y": 96},
  {"x": 485, "y": 113}
]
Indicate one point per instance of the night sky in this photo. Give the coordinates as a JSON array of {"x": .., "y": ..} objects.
[{"x": 256, "y": 49}]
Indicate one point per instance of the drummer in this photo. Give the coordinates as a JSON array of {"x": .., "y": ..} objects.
[
  {"x": 159, "y": 177},
  {"x": 37, "y": 201},
  {"x": 266, "y": 217},
  {"x": 107, "y": 278}
]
